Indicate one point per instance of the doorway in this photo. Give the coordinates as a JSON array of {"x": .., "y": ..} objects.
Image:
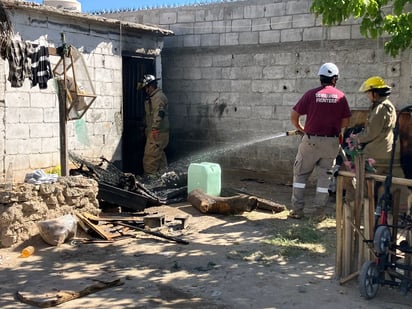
[{"x": 133, "y": 138}]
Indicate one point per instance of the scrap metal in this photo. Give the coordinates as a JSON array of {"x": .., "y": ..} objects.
[{"x": 129, "y": 190}]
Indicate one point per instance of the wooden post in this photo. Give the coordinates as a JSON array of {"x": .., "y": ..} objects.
[
  {"x": 396, "y": 201},
  {"x": 347, "y": 239},
  {"x": 359, "y": 198},
  {"x": 62, "y": 113},
  {"x": 408, "y": 258},
  {"x": 63, "y": 118},
  {"x": 339, "y": 209},
  {"x": 369, "y": 213}
]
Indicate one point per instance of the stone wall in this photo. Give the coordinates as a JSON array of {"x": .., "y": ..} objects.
[
  {"x": 26, "y": 204},
  {"x": 234, "y": 70}
]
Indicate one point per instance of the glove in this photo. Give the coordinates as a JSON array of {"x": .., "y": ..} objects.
[
  {"x": 155, "y": 133},
  {"x": 340, "y": 139}
]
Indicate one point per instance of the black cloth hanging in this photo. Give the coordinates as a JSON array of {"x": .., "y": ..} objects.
[
  {"x": 18, "y": 53},
  {"x": 40, "y": 66}
]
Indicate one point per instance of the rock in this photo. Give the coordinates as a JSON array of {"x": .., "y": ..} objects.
[{"x": 28, "y": 204}]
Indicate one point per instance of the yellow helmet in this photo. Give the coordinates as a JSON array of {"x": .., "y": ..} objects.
[{"x": 374, "y": 82}]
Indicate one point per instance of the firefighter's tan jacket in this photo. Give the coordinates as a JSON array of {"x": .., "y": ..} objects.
[
  {"x": 378, "y": 133},
  {"x": 156, "y": 112}
]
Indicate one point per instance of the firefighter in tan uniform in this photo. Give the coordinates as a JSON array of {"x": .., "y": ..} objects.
[
  {"x": 377, "y": 137},
  {"x": 157, "y": 126}
]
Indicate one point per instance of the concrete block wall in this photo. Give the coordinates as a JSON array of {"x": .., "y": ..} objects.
[
  {"x": 234, "y": 70},
  {"x": 30, "y": 131}
]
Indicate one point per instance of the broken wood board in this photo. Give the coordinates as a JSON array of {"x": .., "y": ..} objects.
[
  {"x": 114, "y": 217},
  {"x": 236, "y": 204},
  {"x": 85, "y": 218},
  {"x": 53, "y": 299},
  {"x": 262, "y": 203},
  {"x": 269, "y": 205},
  {"x": 158, "y": 234},
  {"x": 146, "y": 219}
]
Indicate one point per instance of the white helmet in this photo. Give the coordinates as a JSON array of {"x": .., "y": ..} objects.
[
  {"x": 148, "y": 79},
  {"x": 328, "y": 69}
]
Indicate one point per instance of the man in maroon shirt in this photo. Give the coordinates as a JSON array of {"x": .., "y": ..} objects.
[{"x": 327, "y": 115}]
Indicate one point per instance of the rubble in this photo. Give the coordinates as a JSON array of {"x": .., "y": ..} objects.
[
  {"x": 115, "y": 227},
  {"x": 26, "y": 204}
]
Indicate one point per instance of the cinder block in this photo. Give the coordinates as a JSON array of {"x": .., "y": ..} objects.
[
  {"x": 168, "y": 18},
  {"x": 267, "y": 37},
  {"x": 313, "y": 34},
  {"x": 184, "y": 16},
  {"x": 291, "y": 35}
]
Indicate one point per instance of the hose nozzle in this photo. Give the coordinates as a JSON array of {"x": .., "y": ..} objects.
[{"x": 293, "y": 132}]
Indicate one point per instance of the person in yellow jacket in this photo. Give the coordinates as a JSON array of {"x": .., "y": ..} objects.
[
  {"x": 157, "y": 126},
  {"x": 377, "y": 136}
]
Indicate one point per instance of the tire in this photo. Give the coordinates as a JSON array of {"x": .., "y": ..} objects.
[
  {"x": 382, "y": 239},
  {"x": 369, "y": 280}
]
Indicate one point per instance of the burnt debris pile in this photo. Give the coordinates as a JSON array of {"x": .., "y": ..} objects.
[{"x": 129, "y": 190}]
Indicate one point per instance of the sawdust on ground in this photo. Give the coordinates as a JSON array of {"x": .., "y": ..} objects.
[{"x": 228, "y": 263}]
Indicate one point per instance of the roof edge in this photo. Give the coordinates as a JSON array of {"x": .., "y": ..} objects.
[{"x": 35, "y": 7}]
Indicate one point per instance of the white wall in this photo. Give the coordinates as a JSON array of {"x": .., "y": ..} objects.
[{"x": 30, "y": 132}]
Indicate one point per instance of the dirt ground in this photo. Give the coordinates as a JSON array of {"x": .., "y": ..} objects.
[{"x": 228, "y": 263}]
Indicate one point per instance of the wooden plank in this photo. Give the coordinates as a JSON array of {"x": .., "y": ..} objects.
[
  {"x": 359, "y": 198},
  {"x": 366, "y": 232},
  {"x": 347, "y": 240},
  {"x": 396, "y": 199},
  {"x": 63, "y": 296},
  {"x": 121, "y": 218},
  {"x": 53, "y": 51},
  {"x": 339, "y": 236},
  {"x": 380, "y": 178},
  {"x": 269, "y": 205},
  {"x": 371, "y": 209},
  {"x": 158, "y": 234},
  {"x": 408, "y": 257},
  {"x": 94, "y": 227},
  {"x": 349, "y": 278}
]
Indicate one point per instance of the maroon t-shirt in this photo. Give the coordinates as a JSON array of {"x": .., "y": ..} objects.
[{"x": 324, "y": 107}]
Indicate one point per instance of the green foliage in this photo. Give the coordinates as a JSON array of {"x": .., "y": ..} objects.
[{"x": 378, "y": 17}]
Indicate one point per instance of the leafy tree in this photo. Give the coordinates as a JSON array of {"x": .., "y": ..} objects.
[{"x": 391, "y": 18}]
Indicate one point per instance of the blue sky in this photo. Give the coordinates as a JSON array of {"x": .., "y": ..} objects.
[{"x": 100, "y": 5}]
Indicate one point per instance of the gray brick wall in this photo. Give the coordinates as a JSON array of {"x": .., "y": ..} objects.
[{"x": 233, "y": 71}]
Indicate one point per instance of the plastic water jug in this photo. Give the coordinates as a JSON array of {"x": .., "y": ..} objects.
[{"x": 205, "y": 176}]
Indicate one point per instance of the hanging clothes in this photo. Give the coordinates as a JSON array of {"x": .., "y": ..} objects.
[
  {"x": 18, "y": 53},
  {"x": 40, "y": 63}
]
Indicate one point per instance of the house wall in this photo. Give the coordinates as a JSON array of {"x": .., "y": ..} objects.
[
  {"x": 29, "y": 130},
  {"x": 234, "y": 70}
]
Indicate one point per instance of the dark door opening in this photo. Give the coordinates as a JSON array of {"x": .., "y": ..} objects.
[{"x": 133, "y": 138}]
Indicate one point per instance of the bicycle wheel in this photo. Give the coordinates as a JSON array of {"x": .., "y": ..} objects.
[
  {"x": 382, "y": 239},
  {"x": 369, "y": 280}
]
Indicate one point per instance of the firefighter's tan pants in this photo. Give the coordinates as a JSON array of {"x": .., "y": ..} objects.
[
  {"x": 154, "y": 158},
  {"x": 313, "y": 152}
]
